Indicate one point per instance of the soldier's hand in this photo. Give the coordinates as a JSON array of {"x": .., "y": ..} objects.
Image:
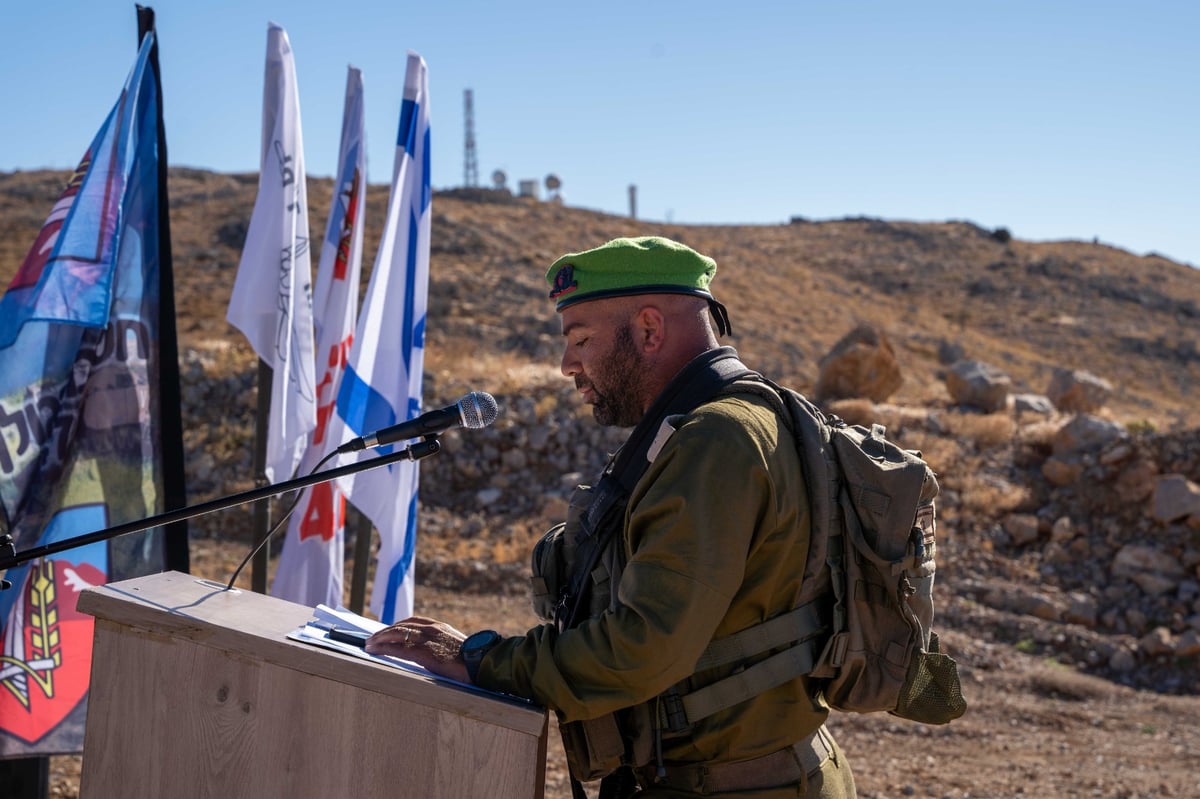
[{"x": 431, "y": 644}]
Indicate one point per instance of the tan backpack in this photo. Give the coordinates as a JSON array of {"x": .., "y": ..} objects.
[{"x": 862, "y": 626}]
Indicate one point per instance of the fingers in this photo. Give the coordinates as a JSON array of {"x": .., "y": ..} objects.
[
  {"x": 430, "y": 628},
  {"x": 416, "y": 632},
  {"x": 431, "y": 644},
  {"x": 395, "y": 635}
]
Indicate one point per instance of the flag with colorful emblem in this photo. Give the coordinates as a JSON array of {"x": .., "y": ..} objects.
[{"x": 86, "y": 358}]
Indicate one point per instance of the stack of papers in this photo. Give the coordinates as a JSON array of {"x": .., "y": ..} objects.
[{"x": 325, "y": 618}]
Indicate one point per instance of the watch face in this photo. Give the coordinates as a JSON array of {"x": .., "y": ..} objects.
[{"x": 480, "y": 640}]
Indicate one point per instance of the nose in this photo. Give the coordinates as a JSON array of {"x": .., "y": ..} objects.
[{"x": 569, "y": 366}]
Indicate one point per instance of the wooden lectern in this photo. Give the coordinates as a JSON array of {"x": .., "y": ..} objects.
[{"x": 196, "y": 692}]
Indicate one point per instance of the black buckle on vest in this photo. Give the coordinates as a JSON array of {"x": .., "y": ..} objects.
[{"x": 674, "y": 717}]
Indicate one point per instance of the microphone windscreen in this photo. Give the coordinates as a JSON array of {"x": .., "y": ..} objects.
[{"x": 478, "y": 410}]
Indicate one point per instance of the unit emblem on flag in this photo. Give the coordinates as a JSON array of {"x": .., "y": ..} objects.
[{"x": 46, "y": 658}]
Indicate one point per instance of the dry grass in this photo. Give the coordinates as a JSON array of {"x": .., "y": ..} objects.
[
  {"x": 983, "y": 430},
  {"x": 1039, "y": 435},
  {"x": 984, "y": 495},
  {"x": 943, "y": 454},
  {"x": 858, "y": 411}
]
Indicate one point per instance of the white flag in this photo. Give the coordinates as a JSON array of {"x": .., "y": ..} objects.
[
  {"x": 311, "y": 566},
  {"x": 382, "y": 382},
  {"x": 272, "y": 298}
]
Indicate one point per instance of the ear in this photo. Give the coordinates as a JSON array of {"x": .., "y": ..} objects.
[{"x": 649, "y": 328}]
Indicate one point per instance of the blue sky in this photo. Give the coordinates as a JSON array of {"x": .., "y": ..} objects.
[{"x": 1056, "y": 119}]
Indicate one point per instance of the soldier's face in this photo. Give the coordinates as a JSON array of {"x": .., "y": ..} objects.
[{"x": 607, "y": 366}]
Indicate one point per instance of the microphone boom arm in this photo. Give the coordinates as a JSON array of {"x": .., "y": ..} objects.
[{"x": 10, "y": 558}]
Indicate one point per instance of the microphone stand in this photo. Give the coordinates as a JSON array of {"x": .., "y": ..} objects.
[{"x": 10, "y": 558}]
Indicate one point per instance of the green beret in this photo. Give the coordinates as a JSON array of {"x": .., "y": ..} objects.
[{"x": 643, "y": 265}]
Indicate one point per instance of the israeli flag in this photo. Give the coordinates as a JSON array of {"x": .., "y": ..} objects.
[{"x": 382, "y": 382}]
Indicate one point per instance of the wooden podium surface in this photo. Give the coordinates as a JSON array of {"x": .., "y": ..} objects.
[{"x": 196, "y": 692}]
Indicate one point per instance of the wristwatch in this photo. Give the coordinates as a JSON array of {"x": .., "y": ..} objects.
[{"x": 475, "y": 647}]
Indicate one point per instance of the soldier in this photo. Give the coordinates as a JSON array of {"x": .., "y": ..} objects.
[{"x": 697, "y": 529}]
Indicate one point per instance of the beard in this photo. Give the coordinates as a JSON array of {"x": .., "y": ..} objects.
[{"x": 618, "y": 383}]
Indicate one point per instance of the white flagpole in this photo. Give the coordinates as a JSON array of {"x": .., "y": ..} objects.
[
  {"x": 382, "y": 382},
  {"x": 272, "y": 297},
  {"x": 311, "y": 566}
]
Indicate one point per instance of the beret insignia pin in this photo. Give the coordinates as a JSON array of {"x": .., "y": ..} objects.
[{"x": 564, "y": 281}]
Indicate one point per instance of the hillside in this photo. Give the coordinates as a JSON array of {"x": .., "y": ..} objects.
[{"x": 1060, "y": 628}]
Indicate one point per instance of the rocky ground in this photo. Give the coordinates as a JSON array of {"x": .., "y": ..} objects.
[
  {"x": 1035, "y": 726},
  {"x": 1070, "y": 602}
]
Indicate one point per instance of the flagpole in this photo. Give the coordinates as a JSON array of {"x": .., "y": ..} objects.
[
  {"x": 262, "y": 511},
  {"x": 362, "y": 560},
  {"x": 175, "y": 538}
]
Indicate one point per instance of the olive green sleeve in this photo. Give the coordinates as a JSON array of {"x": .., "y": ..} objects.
[{"x": 690, "y": 527}]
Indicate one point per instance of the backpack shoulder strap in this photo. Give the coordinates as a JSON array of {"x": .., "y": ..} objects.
[
  {"x": 812, "y": 430},
  {"x": 805, "y": 629}
]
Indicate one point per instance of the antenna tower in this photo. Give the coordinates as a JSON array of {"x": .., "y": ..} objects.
[{"x": 470, "y": 164}]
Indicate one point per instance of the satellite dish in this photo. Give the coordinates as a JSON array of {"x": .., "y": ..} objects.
[
  {"x": 552, "y": 182},
  {"x": 499, "y": 179}
]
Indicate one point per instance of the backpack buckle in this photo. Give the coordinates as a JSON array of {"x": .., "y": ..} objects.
[
  {"x": 673, "y": 716},
  {"x": 834, "y": 654}
]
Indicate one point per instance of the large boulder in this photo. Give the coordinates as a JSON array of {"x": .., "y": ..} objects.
[
  {"x": 978, "y": 385},
  {"x": 1075, "y": 391},
  {"x": 861, "y": 364},
  {"x": 1086, "y": 433}
]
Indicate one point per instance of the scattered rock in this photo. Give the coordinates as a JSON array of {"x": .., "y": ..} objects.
[
  {"x": 1122, "y": 661},
  {"x": 1022, "y": 528},
  {"x": 861, "y": 364},
  {"x": 1062, "y": 530},
  {"x": 950, "y": 352},
  {"x": 1078, "y": 391},
  {"x": 1083, "y": 609},
  {"x": 1188, "y": 644},
  {"x": 1135, "y": 558},
  {"x": 1153, "y": 584},
  {"x": 1136, "y": 481},
  {"x": 1062, "y": 471},
  {"x": 488, "y": 496},
  {"x": 1086, "y": 433},
  {"x": 1038, "y": 404},
  {"x": 1175, "y": 497},
  {"x": 978, "y": 385},
  {"x": 1157, "y": 642}
]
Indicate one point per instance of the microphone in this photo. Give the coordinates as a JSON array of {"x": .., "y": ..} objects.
[{"x": 474, "y": 411}]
